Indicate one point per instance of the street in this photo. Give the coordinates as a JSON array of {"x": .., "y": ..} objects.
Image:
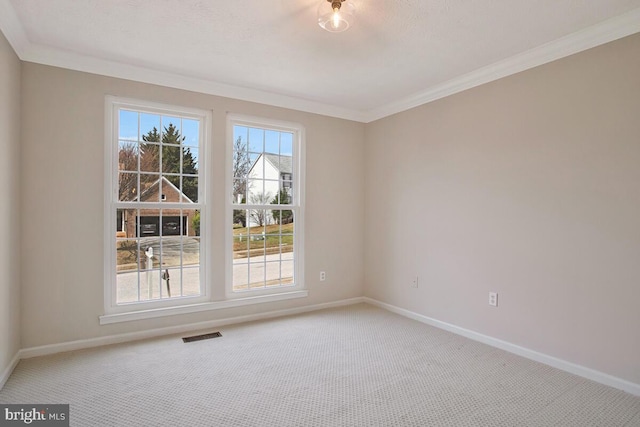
[{"x": 254, "y": 273}]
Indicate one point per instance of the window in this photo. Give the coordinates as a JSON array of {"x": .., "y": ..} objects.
[
  {"x": 158, "y": 220},
  {"x": 155, "y": 206},
  {"x": 265, "y": 208}
]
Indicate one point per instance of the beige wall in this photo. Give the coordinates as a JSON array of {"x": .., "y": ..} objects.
[
  {"x": 63, "y": 140},
  {"x": 528, "y": 186},
  {"x": 9, "y": 207}
]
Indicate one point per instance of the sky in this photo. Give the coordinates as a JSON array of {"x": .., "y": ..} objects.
[
  {"x": 134, "y": 125},
  {"x": 264, "y": 140},
  {"x": 189, "y": 128}
]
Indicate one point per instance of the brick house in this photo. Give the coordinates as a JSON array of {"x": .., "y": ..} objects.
[{"x": 173, "y": 221}]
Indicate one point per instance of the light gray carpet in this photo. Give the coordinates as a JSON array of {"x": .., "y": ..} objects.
[{"x": 351, "y": 366}]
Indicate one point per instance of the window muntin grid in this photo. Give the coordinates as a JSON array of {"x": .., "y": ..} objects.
[
  {"x": 157, "y": 206},
  {"x": 265, "y": 208}
]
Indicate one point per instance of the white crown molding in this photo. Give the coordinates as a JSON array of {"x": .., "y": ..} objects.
[
  {"x": 604, "y": 32},
  {"x": 65, "y": 59},
  {"x": 563, "y": 365},
  {"x": 12, "y": 28}
]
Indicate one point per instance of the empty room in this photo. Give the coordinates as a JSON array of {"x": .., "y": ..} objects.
[{"x": 320, "y": 213}]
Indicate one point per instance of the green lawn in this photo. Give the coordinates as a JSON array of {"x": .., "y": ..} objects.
[{"x": 274, "y": 238}]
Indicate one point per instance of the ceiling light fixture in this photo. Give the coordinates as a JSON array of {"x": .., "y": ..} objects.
[{"x": 335, "y": 16}]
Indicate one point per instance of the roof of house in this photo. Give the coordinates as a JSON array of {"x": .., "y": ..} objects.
[
  {"x": 165, "y": 183},
  {"x": 282, "y": 163}
]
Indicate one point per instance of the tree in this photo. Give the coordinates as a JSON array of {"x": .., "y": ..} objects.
[
  {"x": 282, "y": 216},
  {"x": 195, "y": 223},
  {"x": 241, "y": 167},
  {"x": 240, "y": 215},
  {"x": 127, "y": 182},
  {"x": 171, "y": 158},
  {"x": 259, "y": 216}
]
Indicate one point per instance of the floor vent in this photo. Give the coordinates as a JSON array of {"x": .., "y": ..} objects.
[{"x": 202, "y": 337}]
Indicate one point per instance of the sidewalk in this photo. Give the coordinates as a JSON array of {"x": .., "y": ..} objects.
[{"x": 261, "y": 271}]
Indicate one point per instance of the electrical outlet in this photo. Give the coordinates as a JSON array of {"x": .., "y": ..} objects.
[
  {"x": 323, "y": 276},
  {"x": 493, "y": 299},
  {"x": 414, "y": 282}
]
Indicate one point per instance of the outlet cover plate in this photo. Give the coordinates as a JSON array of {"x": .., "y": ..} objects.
[{"x": 493, "y": 299}]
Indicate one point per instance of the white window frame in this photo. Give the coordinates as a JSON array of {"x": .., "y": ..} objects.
[
  {"x": 114, "y": 312},
  {"x": 214, "y": 293},
  {"x": 298, "y": 167}
]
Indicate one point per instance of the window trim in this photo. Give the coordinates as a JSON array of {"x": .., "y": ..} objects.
[
  {"x": 177, "y": 306},
  {"x": 113, "y": 104},
  {"x": 195, "y": 308},
  {"x": 299, "y": 167}
]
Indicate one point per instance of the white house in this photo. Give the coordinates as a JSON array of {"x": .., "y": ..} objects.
[{"x": 269, "y": 174}]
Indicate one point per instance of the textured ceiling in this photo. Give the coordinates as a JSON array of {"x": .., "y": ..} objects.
[{"x": 396, "y": 48}]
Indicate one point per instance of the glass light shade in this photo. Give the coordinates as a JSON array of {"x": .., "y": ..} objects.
[{"x": 336, "y": 21}]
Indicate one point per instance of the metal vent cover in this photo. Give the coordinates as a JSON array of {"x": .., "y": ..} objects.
[{"x": 201, "y": 337}]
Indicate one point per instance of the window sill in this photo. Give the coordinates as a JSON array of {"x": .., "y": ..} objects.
[{"x": 195, "y": 308}]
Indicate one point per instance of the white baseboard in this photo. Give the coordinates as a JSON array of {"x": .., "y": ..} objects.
[
  {"x": 563, "y": 365},
  {"x": 7, "y": 372},
  {"x": 43, "y": 350},
  {"x": 579, "y": 370}
]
